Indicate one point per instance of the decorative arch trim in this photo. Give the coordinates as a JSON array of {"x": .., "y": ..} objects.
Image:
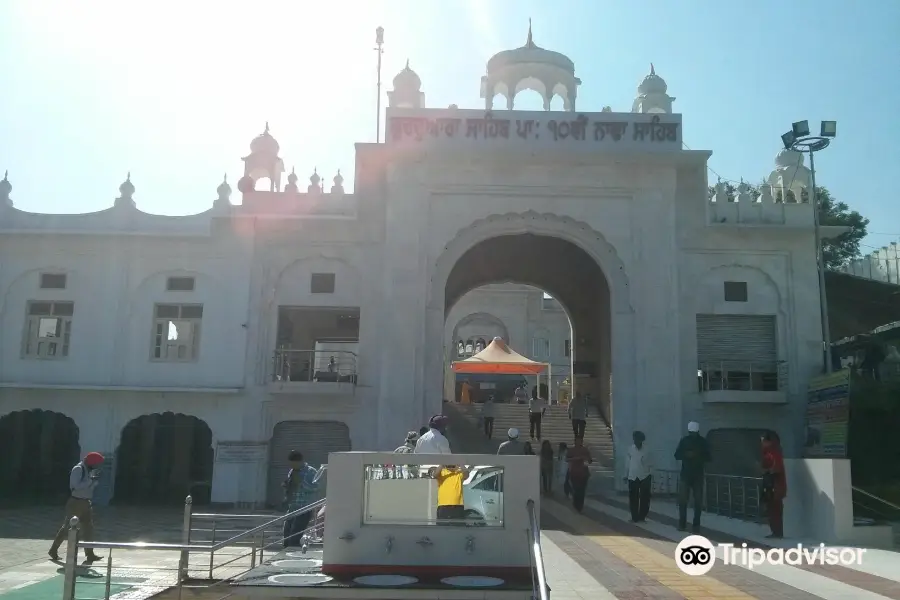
[{"x": 576, "y": 232}]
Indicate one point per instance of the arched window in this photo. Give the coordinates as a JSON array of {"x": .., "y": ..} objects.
[
  {"x": 470, "y": 347},
  {"x": 480, "y": 345},
  {"x": 460, "y": 348}
]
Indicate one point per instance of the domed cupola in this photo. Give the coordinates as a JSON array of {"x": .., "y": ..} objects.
[
  {"x": 652, "y": 96},
  {"x": 262, "y": 162},
  {"x": 790, "y": 181},
  {"x": 407, "y": 92},
  {"x": 534, "y": 68}
]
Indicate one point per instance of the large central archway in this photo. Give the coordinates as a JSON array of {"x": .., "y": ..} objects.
[
  {"x": 573, "y": 263},
  {"x": 568, "y": 274}
]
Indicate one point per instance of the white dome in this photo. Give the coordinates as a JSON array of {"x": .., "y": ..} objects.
[
  {"x": 787, "y": 159},
  {"x": 653, "y": 83}
]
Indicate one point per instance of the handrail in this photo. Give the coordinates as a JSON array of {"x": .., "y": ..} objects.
[
  {"x": 536, "y": 551},
  {"x": 874, "y": 497},
  {"x": 202, "y": 547}
]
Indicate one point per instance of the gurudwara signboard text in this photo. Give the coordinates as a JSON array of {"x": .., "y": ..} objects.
[{"x": 455, "y": 127}]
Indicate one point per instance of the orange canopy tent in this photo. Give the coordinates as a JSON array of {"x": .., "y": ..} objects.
[{"x": 501, "y": 359}]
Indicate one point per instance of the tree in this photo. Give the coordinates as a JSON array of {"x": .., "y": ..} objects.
[{"x": 840, "y": 250}]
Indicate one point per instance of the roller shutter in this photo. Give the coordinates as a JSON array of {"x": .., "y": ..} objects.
[
  {"x": 736, "y": 339},
  {"x": 315, "y": 439}
]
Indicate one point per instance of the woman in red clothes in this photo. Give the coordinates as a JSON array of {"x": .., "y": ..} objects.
[{"x": 774, "y": 482}]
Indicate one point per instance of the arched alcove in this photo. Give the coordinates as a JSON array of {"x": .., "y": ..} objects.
[
  {"x": 162, "y": 458},
  {"x": 38, "y": 450}
]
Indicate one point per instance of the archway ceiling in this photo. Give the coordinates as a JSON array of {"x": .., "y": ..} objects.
[{"x": 554, "y": 265}]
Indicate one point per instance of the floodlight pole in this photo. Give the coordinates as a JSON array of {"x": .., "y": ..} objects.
[
  {"x": 820, "y": 251},
  {"x": 812, "y": 144}
]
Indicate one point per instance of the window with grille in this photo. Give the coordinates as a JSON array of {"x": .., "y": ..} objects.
[
  {"x": 53, "y": 281},
  {"x": 540, "y": 347},
  {"x": 176, "y": 332},
  {"x": 48, "y": 329}
]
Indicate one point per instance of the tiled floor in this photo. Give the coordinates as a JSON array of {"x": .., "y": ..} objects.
[{"x": 596, "y": 555}]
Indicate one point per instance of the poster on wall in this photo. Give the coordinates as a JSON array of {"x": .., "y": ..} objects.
[
  {"x": 241, "y": 452},
  {"x": 828, "y": 415}
]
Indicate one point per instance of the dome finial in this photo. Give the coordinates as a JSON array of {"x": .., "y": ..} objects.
[
  {"x": 407, "y": 63},
  {"x": 652, "y": 70},
  {"x": 529, "y": 43},
  {"x": 267, "y": 127}
]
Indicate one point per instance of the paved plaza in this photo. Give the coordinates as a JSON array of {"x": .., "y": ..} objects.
[{"x": 593, "y": 556}]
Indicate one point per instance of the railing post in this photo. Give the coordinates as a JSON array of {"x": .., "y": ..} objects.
[
  {"x": 71, "y": 560},
  {"x": 185, "y": 539}
]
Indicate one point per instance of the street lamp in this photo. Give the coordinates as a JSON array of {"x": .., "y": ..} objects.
[
  {"x": 379, "y": 47},
  {"x": 800, "y": 140}
]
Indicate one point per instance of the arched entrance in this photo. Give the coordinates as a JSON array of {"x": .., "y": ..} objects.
[
  {"x": 38, "y": 449},
  {"x": 162, "y": 458},
  {"x": 568, "y": 274},
  {"x": 572, "y": 262}
]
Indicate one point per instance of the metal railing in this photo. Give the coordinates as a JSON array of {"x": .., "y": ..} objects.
[
  {"x": 334, "y": 366},
  {"x": 254, "y": 539},
  {"x": 539, "y": 588},
  {"x": 733, "y": 496},
  {"x": 868, "y": 506},
  {"x": 743, "y": 376}
]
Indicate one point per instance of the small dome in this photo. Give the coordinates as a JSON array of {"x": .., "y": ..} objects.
[
  {"x": 653, "y": 83},
  {"x": 127, "y": 188},
  {"x": 530, "y": 53},
  {"x": 5, "y": 185},
  {"x": 264, "y": 143},
  {"x": 338, "y": 179},
  {"x": 224, "y": 190},
  {"x": 407, "y": 79},
  {"x": 787, "y": 159},
  {"x": 292, "y": 178},
  {"x": 314, "y": 178}
]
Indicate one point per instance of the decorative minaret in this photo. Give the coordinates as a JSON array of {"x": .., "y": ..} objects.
[{"x": 652, "y": 96}]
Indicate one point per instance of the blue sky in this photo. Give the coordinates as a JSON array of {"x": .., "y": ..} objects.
[{"x": 174, "y": 92}]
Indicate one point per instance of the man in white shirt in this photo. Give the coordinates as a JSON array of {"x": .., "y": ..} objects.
[
  {"x": 639, "y": 478},
  {"x": 536, "y": 408},
  {"x": 83, "y": 480},
  {"x": 435, "y": 440}
]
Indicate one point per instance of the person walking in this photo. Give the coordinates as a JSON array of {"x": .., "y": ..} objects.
[
  {"x": 521, "y": 393},
  {"x": 639, "y": 478},
  {"x": 300, "y": 489},
  {"x": 579, "y": 457},
  {"x": 693, "y": 452},
  {"x": 83, "y": 480},
  {"x": 547, "y": 467},
  {"x": 536, "y": 409},
  {"x": 578, "y": 413},
  {"x": 774, "y": 488},
  {"x": 512, "y": 445},
  {"x": 487, "y": 413},
  {"x": 409, "y": 446}
]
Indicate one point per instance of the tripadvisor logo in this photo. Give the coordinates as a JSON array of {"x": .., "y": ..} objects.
[{"x": 696, "y": 555}]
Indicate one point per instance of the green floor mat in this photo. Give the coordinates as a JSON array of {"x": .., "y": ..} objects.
[{"x": 85, "y": 589}]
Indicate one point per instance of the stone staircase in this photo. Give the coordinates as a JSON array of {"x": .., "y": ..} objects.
[{"x": 467, "y": 435}]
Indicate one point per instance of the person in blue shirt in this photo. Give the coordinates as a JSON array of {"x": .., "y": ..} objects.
[{"x": 300, "y": 490}]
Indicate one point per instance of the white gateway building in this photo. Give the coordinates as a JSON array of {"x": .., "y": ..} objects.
[{"x": 196, "y": 351}]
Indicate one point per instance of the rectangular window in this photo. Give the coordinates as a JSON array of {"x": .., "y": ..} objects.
[
  {"x": 180, "y": 284},
  {"x": 567, "y": 348},
  {"x": 540, "y": 348},
  {"x": 735, "y": 291},
  {"x": 176, "y": 332},
  {"x": 53, "y": 281},
  {"x": 321, "y": 283},
  {"x": 48, "y": 329}
]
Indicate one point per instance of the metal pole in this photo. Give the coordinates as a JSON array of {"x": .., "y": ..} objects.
[
  {"x": 378, "y": 102},
  {"x": 71, "y": 560},
  {"x": 185, "y": 539},
  {"x": 820, "y": 259}
]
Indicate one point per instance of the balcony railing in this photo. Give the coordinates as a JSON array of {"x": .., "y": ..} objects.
[
  {"x": 733, "y": 496},
  {"x": 742, "y": 376},
  {"x": 321, "y": 366}
]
